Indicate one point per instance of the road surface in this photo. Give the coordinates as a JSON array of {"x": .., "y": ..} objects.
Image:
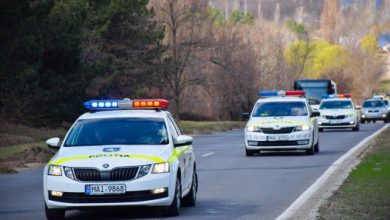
[{"x": 232, "y": 186}]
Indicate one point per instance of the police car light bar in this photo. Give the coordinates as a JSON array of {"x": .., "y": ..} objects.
[
  {"x": 281, "y": 93},
  {"x": 337, "y": 96},
  {"x": 96, "y": 105}
]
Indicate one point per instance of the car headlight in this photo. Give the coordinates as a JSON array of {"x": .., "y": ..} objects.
[
  {"x": 161, "y": 168},
  {"x": 69, "y": 172},
  {"x": 144, "y": 170},
  {"x": 302, "y": 128},
  {"x": 253, "y": 129},
  {"x": 54, "y": 170}
]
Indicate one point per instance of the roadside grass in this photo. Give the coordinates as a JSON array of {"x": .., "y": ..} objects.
[
  {"x": 20, "y": 144},
  {"x": 366, "y": 192},
  {"x": 384, "y": 86}
]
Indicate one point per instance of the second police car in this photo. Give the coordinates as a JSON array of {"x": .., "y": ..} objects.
[
  {"x": 122, "y": 153},
  {"x": 282, "y": 121},
  {"x": 338, "y": 111}
]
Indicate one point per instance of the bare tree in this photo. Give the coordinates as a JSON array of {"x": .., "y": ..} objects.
[{"x": 181, "y": 19}]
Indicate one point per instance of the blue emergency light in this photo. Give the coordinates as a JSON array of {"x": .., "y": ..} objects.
[
  {"x": 102, "y": 104},
  {"x": 267, "y": 93}
]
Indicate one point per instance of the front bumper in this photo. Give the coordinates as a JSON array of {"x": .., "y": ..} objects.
[
  {"x": 337, "y": 123},
  {"x": 375, "y": 116},
  {"x": 138, "y": 192},
  {"x": 293, "y": 141}
]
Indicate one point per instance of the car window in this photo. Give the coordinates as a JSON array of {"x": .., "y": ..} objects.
[
  {"x": 118, "y": 131},
  {"x": 272, "y": 109},
  {"x": 336, "y": 105},
  {"x": 176, "y": 125},
  {"x": 172, "y": 128},
  {"x": 373, "y": 104}
]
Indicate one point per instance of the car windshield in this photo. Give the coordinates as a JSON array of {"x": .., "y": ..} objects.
[
  {"x": 336, "y": 105},
  {"x": 271, "y": 109},
  {"x": 118, "y": 131},
  {"x": 372, "y": 104}
]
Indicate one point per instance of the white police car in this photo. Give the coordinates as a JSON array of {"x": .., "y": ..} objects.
[
  {"x": 122, "y": 153},
  {"x": 281, "y": 121},
  {"x": 338, "y": 111}
]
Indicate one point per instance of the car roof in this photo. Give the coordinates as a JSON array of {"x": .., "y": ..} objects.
[
  {"x": 125, "y": 114},
  {"x": 281, "y": 99},
  {"x": 337, "y": 99},
  {"x": 370, "y": 100}
]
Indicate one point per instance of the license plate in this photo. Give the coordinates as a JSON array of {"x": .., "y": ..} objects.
[
  {"x": 105, "y": 189},
  {"x": 334, "y": 121},
  {"x": 277, "y": 138}
]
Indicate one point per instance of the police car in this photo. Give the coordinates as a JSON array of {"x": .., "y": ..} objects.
[
  {"x": 282, "y": 121},
  {"x": 338, "y": 111},
  {"x": 121, "y": 153}
]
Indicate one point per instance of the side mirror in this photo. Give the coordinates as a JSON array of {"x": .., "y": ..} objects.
[
  {"x": 315, "y": 114},
  {"x": 182, "y": 140},
  {"x": 245, "y": 115},
  {"x": 358, "y": 107},
  {"x": 53, "y": 143}
]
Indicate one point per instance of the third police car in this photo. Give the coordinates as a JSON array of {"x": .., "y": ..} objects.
[
  {"x": 282, "y": 121},
  {"x": 121, "y": 153}
]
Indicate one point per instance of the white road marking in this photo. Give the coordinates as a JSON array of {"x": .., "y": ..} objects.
[
  {"x": 297, "y": 204},
  {"x": 208, "y": 154}
]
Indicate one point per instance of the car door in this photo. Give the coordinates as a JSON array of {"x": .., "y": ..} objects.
[
  {"x": 186, "y": 157},
  {"x": 181, "y": 158}
]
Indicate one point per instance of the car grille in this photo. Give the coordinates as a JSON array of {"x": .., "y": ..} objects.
[
  {"x": 134, "y": 196},
  {"x": 335, "y": 117},
  {"x": 117, "y": 174},
  {"x": 285, "y": 130},
  {"x": 339, "y": 124},
  {"x": 373, "y": 111},
  {"x": 277, "y": 143}
]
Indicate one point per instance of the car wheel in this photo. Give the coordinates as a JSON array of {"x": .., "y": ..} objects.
[
  {"x": 310, "y": 151},
  {"x": 174, "y": 208},
  {"x": 362, "y": 121},
  {"x": 54, "y": 214},
  {"x": 357, "y": 128},
  {"x": 249, "y": 153},
  {"x": 190, "y": 198},
  {"x": 317, "y": 147}
]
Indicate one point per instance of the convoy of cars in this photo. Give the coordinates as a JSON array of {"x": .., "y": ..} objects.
[
  {"x": 133, "y": 152},
  {"x": 284, "y": 120}
]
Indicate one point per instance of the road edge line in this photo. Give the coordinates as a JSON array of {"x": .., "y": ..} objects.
[{"x": 307, "y": 195}]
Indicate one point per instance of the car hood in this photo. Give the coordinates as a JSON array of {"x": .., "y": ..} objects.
[
  {"x": 114, "y": 156},
  {"x": 335, "y": 112},
  {"x": 280, "y": 121}
]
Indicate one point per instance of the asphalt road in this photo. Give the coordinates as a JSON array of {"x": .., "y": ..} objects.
[{"x": 232, "y": 186}]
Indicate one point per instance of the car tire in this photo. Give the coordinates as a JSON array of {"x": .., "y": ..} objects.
[
  {"x": 54, "y": 214},
  {"x": 320, "y": 129},
  {"x": 249, "y": 153},
  {"x": 190, "y": 199},
  {"x": 174, "y": 208},
  {"x": 356, "y": 128},
  {"x": 317, "y": 147},
  {"x": 310, "y": 151},
  {"x": 362, "y": 121}
]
